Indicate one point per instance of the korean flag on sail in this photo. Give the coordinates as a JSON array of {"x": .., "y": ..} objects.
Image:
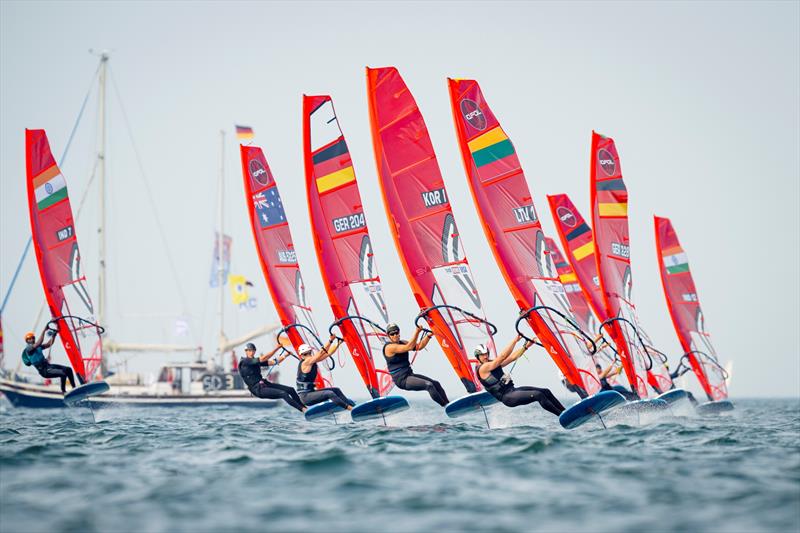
[{"x": 269, "y": 208}]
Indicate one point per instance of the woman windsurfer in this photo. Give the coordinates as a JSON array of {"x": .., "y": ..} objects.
[
  {"x": 307, "y": 372},
  {"x": 498, "y": 384}
]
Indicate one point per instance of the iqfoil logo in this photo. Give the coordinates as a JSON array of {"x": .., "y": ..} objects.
[
  {"x": 566, "y": 217},
  {"x": 473, "y": 114},
  {"x": 258, "y": 172},
  {"x": 606, "y": 161}
]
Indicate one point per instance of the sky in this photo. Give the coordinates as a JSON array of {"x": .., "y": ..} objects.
[{"x": 702, "y": 99}]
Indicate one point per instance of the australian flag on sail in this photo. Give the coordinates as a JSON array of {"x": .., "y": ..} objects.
[{"x": 269, "y": 208}]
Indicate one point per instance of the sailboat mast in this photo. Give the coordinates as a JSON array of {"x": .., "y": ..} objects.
[
  {"x": 101, "y": 176},
  {"x": 220, "y": 245}
]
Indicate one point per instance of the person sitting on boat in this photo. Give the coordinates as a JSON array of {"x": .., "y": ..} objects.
[
  {"x": 250, "y": 370},
  {"x": 498, "y": 384},
  {"x": 33, "y": 355},
  {"x": 395, "y": 351},
  {"x": 611, "y": 371},
  {"x": 307, "y": 372}
]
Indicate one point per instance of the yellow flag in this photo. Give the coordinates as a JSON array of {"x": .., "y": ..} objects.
[{"x": 238, "y": 285}]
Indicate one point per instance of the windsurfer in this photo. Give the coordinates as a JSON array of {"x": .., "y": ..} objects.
[
  {"x": 611, "y": 371},
  {"x": 250, "y": 370},
  {"x": 307, "y": 372},
  {"x": 681, "y": 370},
  {"x": 498, "y": 384},
  {"x": 33, "y": 354},
  {"x": 396, "y": 354}
]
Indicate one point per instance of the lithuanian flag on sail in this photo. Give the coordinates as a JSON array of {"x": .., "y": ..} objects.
[{"x": 493, "y": 154}]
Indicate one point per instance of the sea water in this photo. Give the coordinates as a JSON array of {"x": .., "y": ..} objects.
[{"x": 240, "y": 469}]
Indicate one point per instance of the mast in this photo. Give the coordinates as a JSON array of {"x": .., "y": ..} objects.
[
  {"x": 101, "y": 177},
  {"x": 220, "y": 246}
]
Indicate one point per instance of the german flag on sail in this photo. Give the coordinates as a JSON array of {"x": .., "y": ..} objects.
[
  {"x": 585, "y": 250},
  {"x": 612, "y": 198},
  {"x": 333, "y": 166},
  {"x": 675, "y": 260},
  {"x": 244, "y": 132},
  {"x": 493, "y": 153}
]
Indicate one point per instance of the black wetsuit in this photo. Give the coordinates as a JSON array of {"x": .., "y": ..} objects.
[
  {"x": 250, "y": 370},
  {"x": 35, "y": 357},
  {"x": 511, "y": 396},
  {"x": 311, "y": 395},
  {"x": 400, "y": 369},
  {"x": 605, "y": 385}
]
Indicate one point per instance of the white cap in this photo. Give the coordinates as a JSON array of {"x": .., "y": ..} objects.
[{"x": 304, "y": 348}]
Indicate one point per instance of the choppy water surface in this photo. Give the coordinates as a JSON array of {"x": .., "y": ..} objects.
[{"x": 211, "y": 469}]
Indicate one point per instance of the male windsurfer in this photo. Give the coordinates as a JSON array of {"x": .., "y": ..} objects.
[
  {"x": 396, "y": 354},
  {"x": 250, "y": 370},
  {"x": 307, "y": 372},
  {"x": 33, "y": 354},
  {"x": 498, "y": 384},
  {"x": 611, "y": 371}
]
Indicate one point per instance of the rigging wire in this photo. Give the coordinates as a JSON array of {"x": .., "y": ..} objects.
[{"x": 149, "y": 193}]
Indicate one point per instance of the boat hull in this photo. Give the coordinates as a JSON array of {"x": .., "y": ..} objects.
[{"x": 29, "y": 395}]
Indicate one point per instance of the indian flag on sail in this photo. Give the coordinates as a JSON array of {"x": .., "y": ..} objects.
[
  {"x": 675, "y": 260},
  {"x": 49, "y": 187},
  {"x": 493, "y": 154}
]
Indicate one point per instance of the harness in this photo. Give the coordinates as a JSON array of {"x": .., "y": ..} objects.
[
  {"x": 305, "y": 380},
  {"x": 398, "y": 365},
  {"x": 496, "y": 383}
]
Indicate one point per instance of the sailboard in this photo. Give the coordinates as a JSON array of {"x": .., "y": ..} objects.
[
  {"x": 589, "y": 408},
  {"x": 510, "y": 222},
  {"x": 277, "y": 255},
  {"x": 422, "y": 223},
  {"x": 610, "y": 234},
  {"x": 344, "y": 249},
  {"x": 59, "y": 260},
  {"x": 687, "y": 316}
]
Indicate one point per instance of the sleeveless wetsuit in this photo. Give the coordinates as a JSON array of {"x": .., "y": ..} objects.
[
  {"x": 512, "y": 396},
  {"x": 250, "y": 370},
  {"x": 399, "y": 368},
  {"x": 308, "y": 391},
  {"x": 35, "y": 357}
]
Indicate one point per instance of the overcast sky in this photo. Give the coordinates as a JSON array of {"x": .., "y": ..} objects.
[{"x": 703, "y": 100}]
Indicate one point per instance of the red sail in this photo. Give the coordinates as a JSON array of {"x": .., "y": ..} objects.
[
  {"x": 576, "y": 238},
  {"x": 609, "y": 199},
  {"x": 684, "y": 308},
  {"x": 583, "y": 312},
  {"x": 505, "y": 206},
  {"x": 53, "y": 231},
  {"x": 421, "y": 220},
  {"x": 342, "y": 242},
  {"x": 275, "y": 249}
]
